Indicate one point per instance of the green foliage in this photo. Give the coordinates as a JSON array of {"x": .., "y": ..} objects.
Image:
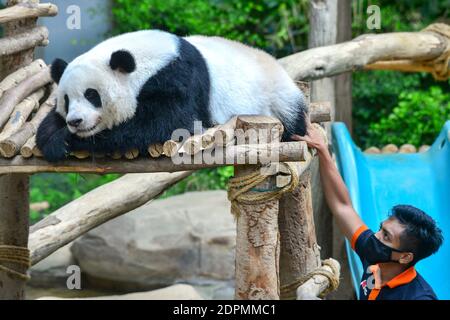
[
  {"x": 278, "y": 26},
  {"x": 206, "y": 179},
  {"x": 59, "y": 189},
  {"x": 417, "y": 118}
]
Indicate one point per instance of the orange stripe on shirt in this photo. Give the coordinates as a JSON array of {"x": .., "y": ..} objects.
[{"x": 357, "y": 234}]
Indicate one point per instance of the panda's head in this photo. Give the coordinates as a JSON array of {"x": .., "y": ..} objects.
[{"x": 94, "y": 93}]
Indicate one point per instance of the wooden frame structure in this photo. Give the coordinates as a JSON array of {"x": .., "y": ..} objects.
[{"x": 276, "y": 241}]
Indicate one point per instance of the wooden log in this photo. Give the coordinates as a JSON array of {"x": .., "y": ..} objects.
[
  {"x": 23, "y": 73},
  {"x": 36, "y": 152},
  {"x": 237, "y": 154},
  {"x": 81, "y": 154},
  {"x": 171, "y": 147},
  {"x": 331, "y": 60},
  {"x": 18, "y": 118},
  {"x": 389, "y": 148},
  {"x": 372, "y": 150},
  {"x": 155, "y": 150},
  {"x": 407, "y": 148},
  {"x": 14, "y": 188},
  {"x": 27, "y": 10},
  {"x": 299, "y": 252},
  {"x": 322, "y": 33},
  {"x": 27, "y": 149},
  {"x": 15, "y": 95},
  {"x": 207, "y": 140},
  {"x": 424, "y": 148},
  {"x": 18, "y": 139},
  {"x": 193, "y": 144},
  {"x": 257, "y": 241},
  {"x": 38, "y": 36},
  {"x": 96, "y": 207},
  {"x": 320, "y": 111},
  {"x": 225, "y": 132},
  {"x": 131, "y": 154},
  {"x": 314, "y": 287}
]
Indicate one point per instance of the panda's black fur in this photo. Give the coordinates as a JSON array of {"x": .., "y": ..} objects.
[{"x": 165, "y": 103}]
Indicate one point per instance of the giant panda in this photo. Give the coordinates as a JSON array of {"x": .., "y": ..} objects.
[{"x": 135, "y": 89}]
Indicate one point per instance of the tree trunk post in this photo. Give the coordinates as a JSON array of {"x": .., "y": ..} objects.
[
  {"x": 257, "y": 240},
  {"x": 323, "y": 21},
  {"x": 299, "y": 252},
  {"x": 14, "y": 188}
]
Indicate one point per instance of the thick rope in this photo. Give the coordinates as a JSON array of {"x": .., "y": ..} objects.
[
  {"x": 16, "y": 255},
  {"x": 238, "y": 188},
  {"x": 440, "y": 65},
  {"x": 289, "y": 291}
]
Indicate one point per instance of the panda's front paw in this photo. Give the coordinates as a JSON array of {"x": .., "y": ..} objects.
[
  {"x": 53, "y": 137},
  {"x": 56, "y": 148}
]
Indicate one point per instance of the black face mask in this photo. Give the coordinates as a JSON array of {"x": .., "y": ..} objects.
[{"x": 375, "y": 251}]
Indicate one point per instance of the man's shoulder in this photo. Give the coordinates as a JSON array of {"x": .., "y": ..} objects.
[{"x": 423, "y": 291}]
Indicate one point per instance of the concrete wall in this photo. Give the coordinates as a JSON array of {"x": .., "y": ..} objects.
[{"x": 72, "y": 34}]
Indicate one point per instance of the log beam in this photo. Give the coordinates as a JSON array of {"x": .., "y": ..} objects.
[
  {"x": 27, "y": 10},
  {"x": 364, "y": 50},
  {"x": 96, "y": 207},
  {"x": 239, "y": 155}
]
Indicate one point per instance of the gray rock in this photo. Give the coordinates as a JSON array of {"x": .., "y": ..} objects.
[
  {"x": 188, "y": 238},
  {"x": 51, "y": 272},
  {"x": 175, "y": 292}
]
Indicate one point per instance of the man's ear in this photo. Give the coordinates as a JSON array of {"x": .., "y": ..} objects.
[
  {"x": 406, "y": 257},
  {"x": 122, "y": 61},
  {"x": 57, "y": 69}
]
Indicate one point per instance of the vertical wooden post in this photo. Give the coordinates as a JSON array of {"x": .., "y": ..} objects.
[
  {"x": 257, "y": 242},
  {"x": 14, "y": 191},
  {"x": 343, "y": 89},
  {"x": 323, "y": 20},
  {"x": 299, "y": 252}
]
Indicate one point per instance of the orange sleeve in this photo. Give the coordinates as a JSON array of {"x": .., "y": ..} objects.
[{"x": 357, "y": 234}]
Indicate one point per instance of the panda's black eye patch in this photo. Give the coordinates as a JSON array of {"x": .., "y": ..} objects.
[
  {"x": 93, "y": 97},
  {"x": 66, "y": 103}
]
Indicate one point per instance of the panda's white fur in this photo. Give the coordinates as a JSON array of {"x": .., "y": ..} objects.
[{"x": 240, "y": 80}]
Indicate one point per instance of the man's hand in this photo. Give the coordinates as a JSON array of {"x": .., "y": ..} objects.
[
  {"x": 333, "y": 186},
  {"x": 314, "y": 137}
]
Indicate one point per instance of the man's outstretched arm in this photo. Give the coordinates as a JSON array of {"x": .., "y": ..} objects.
[{"x": 334, "y": 189}]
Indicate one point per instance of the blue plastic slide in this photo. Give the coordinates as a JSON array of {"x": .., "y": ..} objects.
[{"x": 377, "y": 182}]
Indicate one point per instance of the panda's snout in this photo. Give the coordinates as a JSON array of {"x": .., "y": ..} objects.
[{"x": 75, "y": 122}]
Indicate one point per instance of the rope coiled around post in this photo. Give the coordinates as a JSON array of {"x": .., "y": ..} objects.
[
  {"x": 441, "y": 70},
  {"x": 238, "y": 188},
  {"x": 16, "y": 255},
  {"x": 289, "y": 291}
]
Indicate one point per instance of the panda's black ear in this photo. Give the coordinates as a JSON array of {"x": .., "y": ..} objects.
[
  {"x": 57, "y": 70},
  {"x": 123, "y": 61}
]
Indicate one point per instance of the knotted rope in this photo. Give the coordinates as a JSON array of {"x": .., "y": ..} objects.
[
  {"x": 289, "y": 291},
  {"x": 16, "y": 255},
  {"x": 440, "y": 65},
  {"x": 238, "y": 188}
]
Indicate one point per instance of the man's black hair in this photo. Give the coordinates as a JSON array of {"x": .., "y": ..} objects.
[{"x": 421, "y": 236}]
